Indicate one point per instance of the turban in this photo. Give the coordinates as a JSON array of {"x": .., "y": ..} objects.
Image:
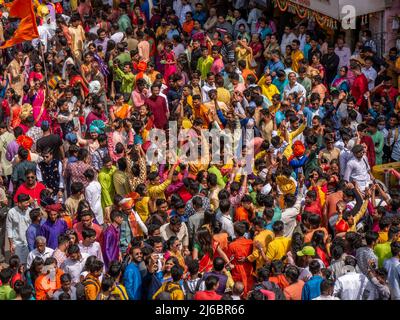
[
  {"x": 129, "y": 201},
  {"x": 94, "y": 86},
  {"x": 54, "y": 207},
  {"x": 298, "y": 148},
  {"x": 341, "y": 226},
  {"x": 97, "y": 126},
  {"x": 25, "y": 142}
]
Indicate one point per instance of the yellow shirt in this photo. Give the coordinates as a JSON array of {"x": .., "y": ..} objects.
[
  {"x": 157, "y": 191},
  {"x": 296, "y": 57},
  {"x": 142, "y": 208},
  {"x": 224, "y": 96},
  {"x": 292, "y": 135},
  {"x": 383, "y": 237},
  {"x": 173, "y": 288},
  {"x": 264, "y": 237},
  {"x": 267, "y": 90},
  {"x": 278, "y": 248}
]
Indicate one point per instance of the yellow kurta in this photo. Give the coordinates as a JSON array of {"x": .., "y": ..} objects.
[{"x": 264, "y": 237}]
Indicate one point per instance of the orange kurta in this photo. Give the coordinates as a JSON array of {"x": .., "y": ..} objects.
[{"x": 242, "y": 248}]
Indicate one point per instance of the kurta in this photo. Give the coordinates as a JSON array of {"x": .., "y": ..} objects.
[
  {"x": 6, "y": 165},
  {"x": 378, "y": 140},
  {"x": 243, "y": 270},
  {"x": 51, "y": 230},
  {"x": 107, "y": 186},
  {"x": 110, "y": 245}
]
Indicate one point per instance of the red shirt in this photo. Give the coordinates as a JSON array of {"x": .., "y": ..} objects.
[
  {"x": 78, "y": 227},
  {"x": 359, "y": 88},
  {"x": 207, "y": 295},
  {"x": 158, "y": 108},
  {"x": 34, "y": 192},
  {"x": 370, "y": 149}
]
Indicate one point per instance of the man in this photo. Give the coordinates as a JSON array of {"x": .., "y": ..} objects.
[
  {"x": 228, "y": 49},
  {"x": 17, "y": 223},
  {"x": 365, "y": 254},
  {"x": 343, "y": 52},
  {"x": 34, "y": 228},
  {"x": 91, "y": 282},
  {"x": 207, "y": 87},
  {"x": 383, "y": 250},
  {"x": 89, "y": 245},
  {"x": 132, "y": 277},
  {"x": 262, "y": 240},
  {"x": 297, "y": 55},
  {"x": 120, "y": 178},
  {"x": 125, "y": 75},
  {"x": 280, "y": 245},
  {"x": 196, "y": 220},
  {"x": 327, "y": 288},
  {"x": 87, "y": 223},
  {"x": 201, "y": 111},
  {"x": 392, "y": 266},
  {"x": 77, "y": 195},
  {"x": 107, "y": 187},
  {"x": 50, "y": 172},
  {"x": 16, "y": 69},
  {"x": 60, "y": 253},
  {"x": 294, "y": 86},
  {"x": 211, "y": 284},
  {"x": 330, "y": 61},
  {"x": 312, "y": 288},
  {"x": 41, "y": 251},
  {"x": 268, "y": 89},
  {"x": 289, "y": 214},
  {"x": 66, "y": 287},
  {"x": 239, "y": 248},
  {"x": 124, "y": 22},
  {"x": 100, "y": 152},
  {"x": 50, "y": 140},
  {"x": 239, "y": 21},
  {"x": 111, "y": 235},
  {"x": 369, "y": 72},
  {"x": 204, "y": 63},
  {"x": 225, "y": 281},
  {"x": 158, "y": 107},
  {"x": 225, "y": 218},
  {"x": 74, "y": 263},
  {"x": 18, "y": 176},
  {"x": 353, "y": 285},
  {"x": 143, "y": 46},
  {"x": 378, "y": 140},
  {"x": 366, "y": 38},
  {"x": 287, "y": 38},
  {"x": 360, "y": 86},
  {"x": 77, "y": 36},
  {"x": 178, "y": 229},
  {"x": 5, "y": 138},
  {"x": 6, "y": 292},
  {"x": 358, "y": 169},
  {"x": 274, "y": 64},
  {"x": 54, "y": 226},
  {"x": 225, "y": 25}
]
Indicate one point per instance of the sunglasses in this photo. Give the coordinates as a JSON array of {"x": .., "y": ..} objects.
[{"x": 31, "y": 177}]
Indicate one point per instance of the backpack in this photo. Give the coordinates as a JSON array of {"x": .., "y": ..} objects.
[
  {"x": 163, "y": 295},
  {"x": 189, "y": 294},
  {"x": 89, "y": 281}
]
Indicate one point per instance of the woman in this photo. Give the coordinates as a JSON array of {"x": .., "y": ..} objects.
[
  {"x": 150, "y": 74},
  {"x": 271, "y": 46},
  {"x": 137, "y": 14},
  {"x": 169, "y": 62},
  {"x": 73, "y": 237},
  {"x": 34, "y": 272},
  {"x": 36, "y": 74},
  {"x": 206, "y": 249},
  {"x": 86, "y": 68},
  {"x": 288, "y": 52},
  {"x": 69, "y": 60},
  {"x": 160, "y": 277},
  {"x": 318, "y": 242},
  {"x": 174, "y": 250},
  {"x": 201, "y": 177},
  {"x": 244, "y": 52},
  {"x": 75, "y": 171},
  {"x": 316, "y": 68},
  {"x": 341, "y": 81},
  {"x": 15, "y": 111},
  {"x": 40, "y": 112},
  {"x": 318, "y": 87},
  {"x": 121, "y": 109},
  {"x": 257, "y": 48}
]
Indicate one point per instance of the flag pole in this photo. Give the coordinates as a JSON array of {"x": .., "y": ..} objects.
[{"x": 41, "y": 46}]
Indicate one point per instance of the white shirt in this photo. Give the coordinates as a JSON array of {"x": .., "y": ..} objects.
[
  {"x": 351, "y": 286},
  {"x": 302, "y": 39},
  {"x": 358, "y": 170},
  {"x": 48, "y": 252},
  {"x": 323, "y": 297},
  {"x": 182, "y": 16},
  {"x": 227, "y": 224},
  {"x": 16, "y": 225},
  {"x": 344, "y": 55},
  {"x": 287, "y": 40},
  {"x": 204, "y": 91},
  {"x": 93, "y": 196},
  {"x": 252, "y": 20},
  {"x": 92, "y": 250},
  {"x": 74, "y": 268},
  {"x": 371, "y": 75},
  {"x": 297, "y": 87},
  {"x": 289, "y": 218}
]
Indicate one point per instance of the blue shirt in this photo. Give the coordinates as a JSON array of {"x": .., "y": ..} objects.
[
  {"x": 171, "y": 34},
  {"x": 312, "y": 288},
  {"x": 31, "y": 233},
  {"x": 133, "y": 282},
  {"x": 280, "y": 85},
  {"x": 310, "y": 113},
  {"x": 275, "y": 66}
]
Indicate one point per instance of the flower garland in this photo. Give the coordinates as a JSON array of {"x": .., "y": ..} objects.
[{"x": 303, "y": 13}]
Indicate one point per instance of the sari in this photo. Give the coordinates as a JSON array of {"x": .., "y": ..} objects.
[
  {"x": 121, "y": 111},
  {"x": 206, "y": 262},
  {"x": 39, "y": 111},
  {"x": 341, "y": 83}
]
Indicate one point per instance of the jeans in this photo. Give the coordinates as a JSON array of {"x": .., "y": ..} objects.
[{"x": 22, "y": 252}]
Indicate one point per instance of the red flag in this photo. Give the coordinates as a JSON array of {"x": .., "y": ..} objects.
[{"x": 27, "y": 29}]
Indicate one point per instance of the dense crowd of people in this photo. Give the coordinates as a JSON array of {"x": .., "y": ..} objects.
[{"x": 87, "y": 215}]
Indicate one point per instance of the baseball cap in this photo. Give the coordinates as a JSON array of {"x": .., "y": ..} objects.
[
  {"x": 306, "y": 251},
  {"x": 45, "y": 125},
  {"x": 71, "y": 138}
]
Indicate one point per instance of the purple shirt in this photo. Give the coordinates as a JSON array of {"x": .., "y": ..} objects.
[
  {"x": 51, "y": 231},
  {"x": 12, "y": 150},
  {"x": 158, "y": 108},
  {"x": 110, "y": 245}
]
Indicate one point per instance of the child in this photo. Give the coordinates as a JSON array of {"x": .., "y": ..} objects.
[{"x": 6, "y": 292}]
